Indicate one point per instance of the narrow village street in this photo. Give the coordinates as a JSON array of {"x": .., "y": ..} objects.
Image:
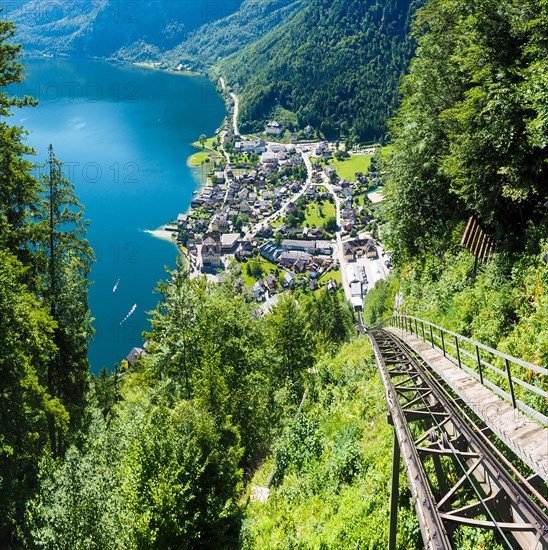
[{"x": 236, "y": 113}]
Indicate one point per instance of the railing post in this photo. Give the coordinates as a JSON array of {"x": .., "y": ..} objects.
[
  {"x": 442, "y": 341},
  {"x": 431, "y": 336},
  {"x": 416, "y": 328},
  {"x": 423, "y": 337},
  {"x": 394, "y": 493},
  {"x": 458, "y": 351},
  {"x": 510, "y": 383},
  {"x": 479, "y": 364}
]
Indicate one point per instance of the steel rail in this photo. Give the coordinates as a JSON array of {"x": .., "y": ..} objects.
[
  {"x": 432, "y": 527},
  {"x": 521, "y": 493}
]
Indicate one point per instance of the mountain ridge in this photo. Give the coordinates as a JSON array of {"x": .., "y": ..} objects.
[
  {"x": 100, "y": 28},
  {"x": 335, "y": 64}
]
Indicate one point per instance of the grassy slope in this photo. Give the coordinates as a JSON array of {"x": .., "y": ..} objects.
[
  {"x": 197, "y": 158},
  {"x": 339, "y": 496},
  {"x": 347, "y": 168}
]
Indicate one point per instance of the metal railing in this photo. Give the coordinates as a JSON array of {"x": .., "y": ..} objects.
[{"x": 507, "y": 376}]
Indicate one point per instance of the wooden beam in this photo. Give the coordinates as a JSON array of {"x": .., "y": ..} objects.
[{"x": 466, "y": 230}]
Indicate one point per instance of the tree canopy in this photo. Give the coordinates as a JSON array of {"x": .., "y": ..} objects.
[
  {"x": 470, "y": 135},
  {"x": 335, "y": 65},
  {"x": 43, "y": 301}
]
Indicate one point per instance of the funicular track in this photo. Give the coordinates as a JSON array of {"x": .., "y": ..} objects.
[{"x": 457, "y": 475}]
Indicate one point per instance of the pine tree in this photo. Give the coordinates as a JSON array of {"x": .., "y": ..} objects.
[
  {"x": 18, "y": 189},
  {"x": 64, "y": 263}
]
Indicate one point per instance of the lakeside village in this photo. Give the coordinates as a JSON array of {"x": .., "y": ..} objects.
[{"x": 276, "y": 209}]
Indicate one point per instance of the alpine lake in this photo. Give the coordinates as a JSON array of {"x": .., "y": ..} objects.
[{"x": 124, "y": 134}]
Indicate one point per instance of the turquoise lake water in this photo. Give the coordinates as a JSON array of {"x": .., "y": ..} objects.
[{"x": 124, "y": 134}]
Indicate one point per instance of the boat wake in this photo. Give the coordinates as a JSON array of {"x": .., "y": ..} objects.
[
  {"x": 130, "y": 313},
  {"x": 115, "y": 287}
]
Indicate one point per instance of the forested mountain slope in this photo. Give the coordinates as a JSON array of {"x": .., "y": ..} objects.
[
  {"x": 101, "y": 28},
  {"x": 216, "y": 40},
  {"x": 336, "y": 65}
]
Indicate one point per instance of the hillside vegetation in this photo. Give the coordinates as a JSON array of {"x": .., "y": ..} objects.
[
  {"x": 336, "y": 65},
  {"x": 470, "y": 139},
  {"x": 44, "y": 319},
  {"x": 215, "y": 40},
  {"x": 167, "y": 447},
  {"x": 471, "y": 134},
  {"x": 108, "y": 28},
  {"x": 332, "y": 466}
]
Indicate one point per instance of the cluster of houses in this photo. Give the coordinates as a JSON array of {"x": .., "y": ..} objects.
[
  {"x": 312, "y": 257},
  {"x": 212, "y": 227},
  {"x": 354, "y": 216},
  {"x": 250, "y": 194},
  {"x": 218, "y": 207},
  {"x": 271, "y": 156},
  {"x": 244, "y": 192}
]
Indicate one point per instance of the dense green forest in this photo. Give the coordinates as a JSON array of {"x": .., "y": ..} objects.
[
  {"x": 470, "y": 139},
  {"x": 336, "y": 66},
  {"x": 170, "y": 446},
  {"x": 218, "y": 39}
]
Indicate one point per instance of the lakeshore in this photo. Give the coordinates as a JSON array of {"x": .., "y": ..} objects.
[
  {"x": 156, "y": 66},
  {"x": 125, "y": 149}
]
